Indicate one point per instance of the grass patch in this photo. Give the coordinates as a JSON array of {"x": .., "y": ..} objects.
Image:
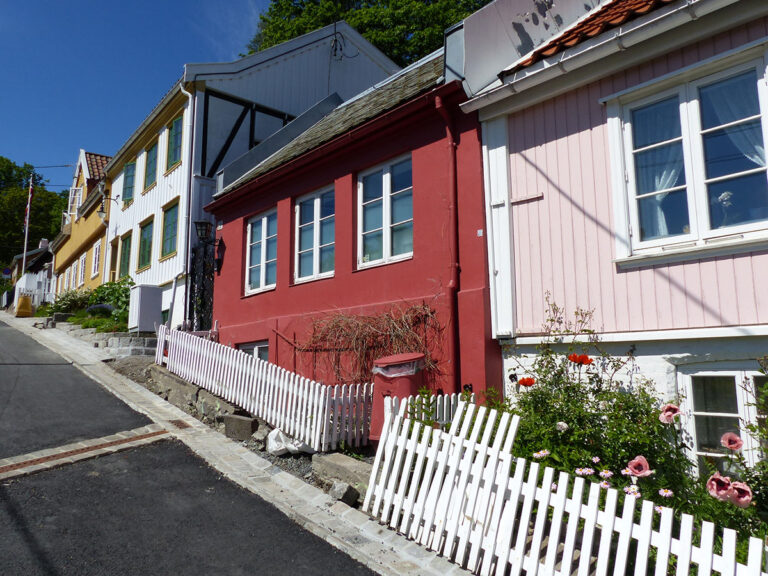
[{"x": 102, "y": 324}]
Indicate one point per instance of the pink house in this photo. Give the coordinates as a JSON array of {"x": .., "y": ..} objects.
[{"x": 625, "y": 173}]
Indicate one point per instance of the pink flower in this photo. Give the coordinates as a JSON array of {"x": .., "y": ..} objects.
[
  {"x": 605, "y": 484},
  {"x": 666, "y": 493},
  {"x": 605, "y": 474},
  {"x": 741, "y": 495},
  {"x": 731, "y": 441},
  {"x": 719, "y": 486},
  {"x": 639, "y": 467},
  {"x": 668, "y": 413}
]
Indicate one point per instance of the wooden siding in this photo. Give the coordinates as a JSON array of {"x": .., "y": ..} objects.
[{"x": 562, "y": 220}]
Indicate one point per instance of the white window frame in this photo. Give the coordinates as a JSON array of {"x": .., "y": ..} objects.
[
  {"x": 746, "y": 413},
  {"x": 81, "y": 277},
  {"x": 685, "y": 84},
  {"x": 73, "y": 280},
  {"x": 75, "y": 199},
  {"x": 263, "y": 286},
  {"x": 96, "y": 258},
  {"x": 386, "y": 212},
  {"x": 316, "y": 221},
  {"x": 254, "y": 348}
]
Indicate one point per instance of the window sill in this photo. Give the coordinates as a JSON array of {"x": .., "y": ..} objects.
[
  {"x": 167, "y": 256},
  {"x": 148, "y": 188},
  {"x": 308, "y": 279},
  {"x": 723, "y": 247},
  {"x": 127, "y": 204},
  {"x": 143, "y": 268},
  {"x": 377, "y": 263},
  {"x": 172, "y": 168},
  {"x": 249, "y": 293}
]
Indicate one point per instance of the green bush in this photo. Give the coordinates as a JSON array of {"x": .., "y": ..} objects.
[
  {"x": 577, "y": 416},
  {"x": 71, "y": 301},
  {"x": 43, "y": 311},
  {"x": 116, "y": 294}
]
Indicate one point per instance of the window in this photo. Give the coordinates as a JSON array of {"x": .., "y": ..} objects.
[
  {"x": 150, "y": 166},
  {"x": 261, "y": 257},
  {"x": 258, "y": 349},
  {"x": 73, "y": 280},
  {"x": 96, "y": 258},
  {"x": 315, "y": 236},
  {"x": 125, "y": 255},
  {"x": 170, "y": 227},
  {"x": 75, "y": 199},
  {"x": 721, "y": 402},
  {"x": 174, "y": 143},
  {"x": 129, "y": 177},
  {"x": 81, "y": 278},
  {"x": 145, "y": 244},
  {"x": 385, "y": 214},
  {"x": 66, "y": 278},
  {"x": 695, "y": 161}
]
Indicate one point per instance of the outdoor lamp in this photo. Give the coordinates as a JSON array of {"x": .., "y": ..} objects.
[{"x": 203, "y": 229}]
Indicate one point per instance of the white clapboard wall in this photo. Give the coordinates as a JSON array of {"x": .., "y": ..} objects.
[
  {"x": 463, "y": 494},
  {"x": 321, "y": 416}
]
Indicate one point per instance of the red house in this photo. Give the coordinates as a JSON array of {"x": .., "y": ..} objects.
[{"x": 370, "y": 206}]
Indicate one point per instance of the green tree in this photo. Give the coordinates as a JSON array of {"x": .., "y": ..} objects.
[
  {"x": 45, "y": 217},
  {"x": 405, "y": 30}
]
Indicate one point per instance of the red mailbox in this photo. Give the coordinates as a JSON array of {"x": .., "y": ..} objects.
[{"x": 401, "y": 376}]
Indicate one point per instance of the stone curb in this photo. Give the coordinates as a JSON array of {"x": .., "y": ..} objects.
[{"x": 347, "y": 529}]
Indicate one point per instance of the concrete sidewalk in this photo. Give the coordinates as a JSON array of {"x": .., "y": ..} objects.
[{"x": 347, "y": 529}]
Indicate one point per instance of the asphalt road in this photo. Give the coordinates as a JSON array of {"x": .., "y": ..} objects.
[{"x": 158, "y": 509}]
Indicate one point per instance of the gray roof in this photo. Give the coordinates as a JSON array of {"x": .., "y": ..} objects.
[{"x": 388, "y": 94}]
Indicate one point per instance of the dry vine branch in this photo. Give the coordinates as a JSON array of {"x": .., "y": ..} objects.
[{"x": 350, "y": 343}]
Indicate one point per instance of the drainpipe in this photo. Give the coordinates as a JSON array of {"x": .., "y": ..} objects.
[
  {"x": 453, "y": 244},
  {"x": 188, "y": 217}
]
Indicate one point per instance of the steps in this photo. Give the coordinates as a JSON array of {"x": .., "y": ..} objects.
[{"x": 115, "y": 344}]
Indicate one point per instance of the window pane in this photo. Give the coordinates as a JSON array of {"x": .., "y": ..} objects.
[
  {"x": 402, "y": 207},
  {"x": 734, "y": 149},
  {"x": 372, "y": 247},
  {"x": 305, "y": 264},
  {"x": 306, "y": 237},
  {"x": 256, "y": 231},
  {"x": 254, "y": 277},
  {"x": 327, "y": 228},
  {"x": 326, "y": 259},
  {"x": 761, "y": 395},
  {"x": 738, "y": 201},
  {"x": 262, "y": 352},
  {"x": 402, "y": 239},
  {"x": 401, "y": 176},
  {"x": 255, "y": 254},
  {"x": 271, "y": 249},
  {"x": 150, "y": 168},
  {"x": 327, "y": 205},
  {"x": 372, "y": 186},
  {"x": 372, "y": 216},
  {"x": 271, "y": 274},
  {"x": 709, "y": 430},
  {"x": 656, "y": 123},
  {"x": 729, "y": 100},
  {"x": 307, "y": 211},
  {"x": 659, "y": 168},
  {"x": 169, "y": 229},
  {"x": 272, "y": 225},
  {"x": 129, "y": 175},
  {"x": 715, "y": 394},
  {"x": 662, "y": 215}
]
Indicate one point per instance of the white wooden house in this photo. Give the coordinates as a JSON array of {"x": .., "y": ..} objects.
[{"x": 163, "y": 175}]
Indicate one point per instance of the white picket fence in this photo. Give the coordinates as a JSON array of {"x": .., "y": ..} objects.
[
  {"x": 472, "y": 501},
  {"x": 439, "y": 408},
  {"x": 321, "y": 416}
]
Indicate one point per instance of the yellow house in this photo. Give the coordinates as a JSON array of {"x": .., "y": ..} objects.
[{"x": 80, "y": 246}]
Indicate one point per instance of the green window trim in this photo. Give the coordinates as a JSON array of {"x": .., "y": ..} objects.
[
  {"x": 125, "y": 256},
  {"x": 170, "y": 229},
  {"x": 129, "y": 181},
  {"x": 150, "y": 166},
  {"x": 145, "y": 244},
  {"x": 174, "y": 143}
]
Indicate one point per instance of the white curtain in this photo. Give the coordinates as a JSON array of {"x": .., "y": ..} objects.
[{"x": 664, "y": 167}]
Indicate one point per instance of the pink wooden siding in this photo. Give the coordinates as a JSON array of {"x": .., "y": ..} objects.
[{"x": 563, "y": 239}]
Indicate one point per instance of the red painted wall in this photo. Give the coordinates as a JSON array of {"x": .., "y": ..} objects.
[{"x": 284, "y": 315}]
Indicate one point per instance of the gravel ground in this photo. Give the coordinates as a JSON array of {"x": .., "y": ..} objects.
[{"x": 300, "y": 465}]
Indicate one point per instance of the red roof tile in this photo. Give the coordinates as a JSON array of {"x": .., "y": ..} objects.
[
  {"x": 601, "y": 19},
  {"x": 96, "y": 164}
]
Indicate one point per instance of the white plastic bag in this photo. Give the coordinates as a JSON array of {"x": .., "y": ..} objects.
[{"x": 279, "y": 443}]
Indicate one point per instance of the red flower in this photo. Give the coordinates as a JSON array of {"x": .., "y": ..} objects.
[
  {"x": 526, "y": 382},
  {"x": 585, "y": 360},
  {"x": 741, "y": 495},
  {"x": 668, "y": 413},
  {"x": 574, "y": 358},
  {"x": 639, "y": 467},
  {"x": 719, "y": 486},
  {"x": 731, "y": 441}
]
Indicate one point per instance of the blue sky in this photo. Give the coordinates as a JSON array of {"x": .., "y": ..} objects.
[{"x": 85, "y": 73}]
